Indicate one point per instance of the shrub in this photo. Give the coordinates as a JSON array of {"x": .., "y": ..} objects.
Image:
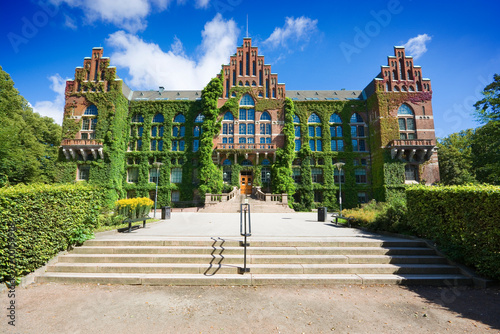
[
  {"x": 464, "y": 221},
  {"x": 43, "y": 220}
]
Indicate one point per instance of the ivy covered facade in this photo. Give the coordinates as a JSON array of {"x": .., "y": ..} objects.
[{"x": 245, "y": 129}]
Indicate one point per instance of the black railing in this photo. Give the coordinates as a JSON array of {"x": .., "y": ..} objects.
[{"x": 245, "y": 231}]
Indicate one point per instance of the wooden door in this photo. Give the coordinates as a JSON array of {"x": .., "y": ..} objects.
[{"x": 246, "y": 184}]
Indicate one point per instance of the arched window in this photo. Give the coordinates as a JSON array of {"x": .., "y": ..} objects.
[
  {"x": 199, "y": 118},
  {"x": 296, "y": 119},
  {"x": 246, "y": 162},
  {"x": 137, "y": 118},
  {"x": 158, "y": 118},
  {"x": 405, "y": 110},
  {"x": 356, "y": 118},
  {"x": 335, "y": 118},
  {"x": 247, "y": 100},
  {"x": 266, "y": 162},
  {"x": 226, "y": 162},
  {"x": 265, "y": 116},
  {"x": 228, "y": 116},
  {"x": 91, "y": 111},
  {"x": 406, "y": 120},
  {"x": 180, "y": 118},
  {"x": 314, "y": 118}
]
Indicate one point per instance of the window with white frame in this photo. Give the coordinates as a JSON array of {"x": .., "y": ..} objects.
[
  {"x": 176, "y": 175},
  {"x": 132, "y": 175}
]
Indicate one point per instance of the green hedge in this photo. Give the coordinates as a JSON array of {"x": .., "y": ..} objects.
[
  {"x": 47, "y": 219},
  {"x": 464, "y": 221}
]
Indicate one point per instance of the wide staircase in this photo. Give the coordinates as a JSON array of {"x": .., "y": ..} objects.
[
  {"x": 257, "y": 206},
  {"x": 216, "y": 261}
]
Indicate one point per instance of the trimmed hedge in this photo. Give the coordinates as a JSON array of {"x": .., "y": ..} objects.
[
  {"x": 464, "y": 221},
  {"x": 47, "y": 219}
]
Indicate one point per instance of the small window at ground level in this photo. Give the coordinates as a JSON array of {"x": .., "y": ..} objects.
[{"x": 83, "y": 172}]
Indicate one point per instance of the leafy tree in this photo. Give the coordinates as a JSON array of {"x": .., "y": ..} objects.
[
  {"x": 486, "y": 140},
  {"x": 455, "y": 158},
  {"x": 486, "y": 153},
  {"x": 28, "y": 141},
  {"x": 488, "y": 108}
]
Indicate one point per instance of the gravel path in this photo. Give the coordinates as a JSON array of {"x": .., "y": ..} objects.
[{"x": 57, "y": 308}]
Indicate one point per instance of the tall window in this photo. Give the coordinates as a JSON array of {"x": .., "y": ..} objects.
[
  {"x": 406, "y": 120},
  {"x": 296, "y": 124},
  {"x": 314, "y": 127},
  {"x": 89, "y": 122},
  {"x": 266, "y": 175},
  {"x": 178, "y": 133},
  {"x": 358, "y": 133}
]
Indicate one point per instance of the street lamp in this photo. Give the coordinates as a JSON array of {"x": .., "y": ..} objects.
[
  {"x": 339, "y": 165},
  {"x": 157, "y": 165}
]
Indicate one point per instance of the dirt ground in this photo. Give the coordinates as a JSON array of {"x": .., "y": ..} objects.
[{"x": 57, "y": 308}]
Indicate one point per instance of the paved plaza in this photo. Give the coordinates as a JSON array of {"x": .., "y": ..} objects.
[{"x": 264, "y": 225}]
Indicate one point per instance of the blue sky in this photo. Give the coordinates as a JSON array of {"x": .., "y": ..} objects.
[{"x": 180, "y": 44}]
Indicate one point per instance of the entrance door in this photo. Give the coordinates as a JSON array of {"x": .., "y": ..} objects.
[{"x": 246, "y": 179}]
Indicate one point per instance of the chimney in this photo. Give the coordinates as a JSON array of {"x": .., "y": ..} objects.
[{"x": 161, "y": 89}]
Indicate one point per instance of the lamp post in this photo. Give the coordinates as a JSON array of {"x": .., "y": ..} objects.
[
  {"x": 157, "y": 165},
  {"x": 339, "y": 165}
]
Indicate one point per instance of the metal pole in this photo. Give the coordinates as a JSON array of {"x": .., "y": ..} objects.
[
  {"x": 340, "y": 191},
  {"x": 156, "y": 192}
]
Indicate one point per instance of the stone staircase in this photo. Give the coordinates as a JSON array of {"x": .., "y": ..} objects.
[
  {"x": 256, "y": 206},
  {"x": 215, "y": 261}
]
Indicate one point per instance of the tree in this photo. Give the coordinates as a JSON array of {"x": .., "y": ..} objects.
[
  {"x": 28, "y": 141},
  {"x": 455, "y": 158},
  {"x": 486, "y": 153},
  {"x": 488, "y": 108}
]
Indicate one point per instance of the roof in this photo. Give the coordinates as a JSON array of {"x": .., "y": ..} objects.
[
  {"x": 324, "y": 95},
  {"x": 164, "y": 95}
]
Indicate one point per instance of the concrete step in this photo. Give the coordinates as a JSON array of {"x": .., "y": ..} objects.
[
  {"x": 216, "y": 261},
  {"x": 254, "y": 250},
  {"x": 257, "y": 259},
  {"x": 252, "y": 279},
  {"x": 206, "y": 242},
  {"x": 219, "y": 267}
]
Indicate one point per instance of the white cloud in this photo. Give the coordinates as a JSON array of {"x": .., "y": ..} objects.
[
  {"x": 149, "y": 66},
  {"x": 297, "y": 30},
  {"x": 416, "y": 46},
  {"x": 69, "y": 22},
  {"x": 202, "y": 3},
  {"x": 55, "y": 108},
  {"x": 127, "y": 14}
]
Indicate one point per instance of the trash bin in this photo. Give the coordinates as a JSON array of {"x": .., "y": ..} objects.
[
  {"x": 322, "y": 214},
  {"x": 165, "y": 212}
]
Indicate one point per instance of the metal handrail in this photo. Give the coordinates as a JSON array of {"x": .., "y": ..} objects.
[{"x": 245, "y": 231}]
